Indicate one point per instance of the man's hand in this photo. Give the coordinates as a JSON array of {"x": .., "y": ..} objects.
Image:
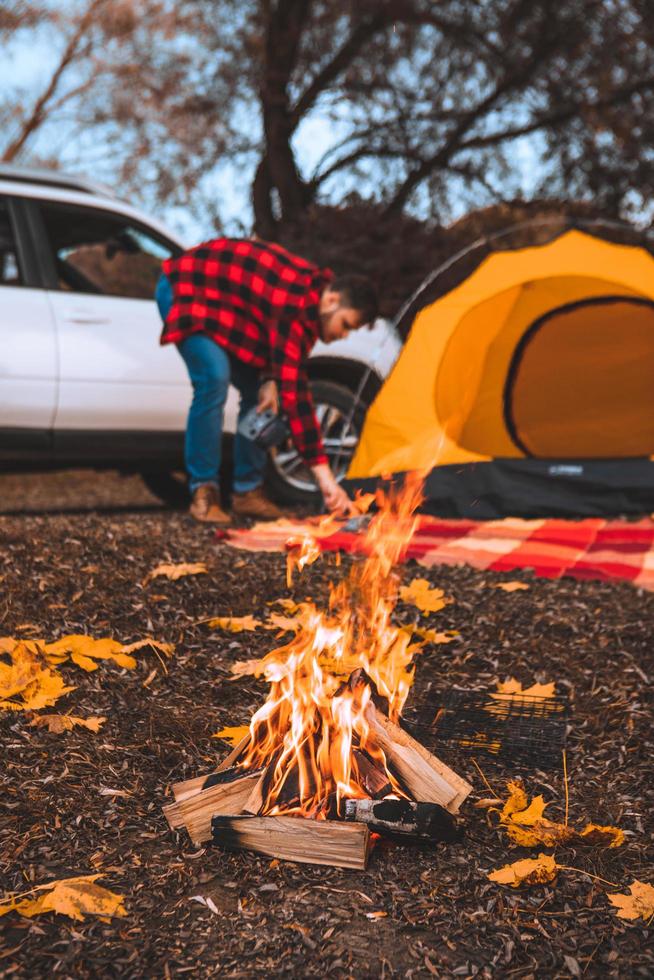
[
  {"x": 335, "y": 497},
  {"x": 268, "y": 397}
]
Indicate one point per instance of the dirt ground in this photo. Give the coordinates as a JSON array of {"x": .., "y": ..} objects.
[{"x": 79, "y": 802}]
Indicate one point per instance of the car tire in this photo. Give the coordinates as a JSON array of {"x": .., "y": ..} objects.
[{"x": 288, "y": 480}]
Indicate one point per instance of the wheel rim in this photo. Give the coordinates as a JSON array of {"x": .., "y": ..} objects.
[{"x": 339, "y": 437}]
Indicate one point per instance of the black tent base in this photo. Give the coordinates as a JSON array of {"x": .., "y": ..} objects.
[{"x": 536, "y": 488}]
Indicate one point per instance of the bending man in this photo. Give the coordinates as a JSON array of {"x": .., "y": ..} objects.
[{"x": 248, "y": 312}]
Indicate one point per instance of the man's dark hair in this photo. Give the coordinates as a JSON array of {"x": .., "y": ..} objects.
[{"x": 359, "y": 293}]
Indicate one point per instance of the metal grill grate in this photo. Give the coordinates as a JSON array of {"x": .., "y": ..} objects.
[{"x": 519, "y": 729}]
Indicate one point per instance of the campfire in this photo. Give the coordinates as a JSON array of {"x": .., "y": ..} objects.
[{"x": 326, "y": 762}]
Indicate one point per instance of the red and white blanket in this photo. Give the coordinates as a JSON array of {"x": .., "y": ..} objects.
[{"x": 591, "y": 549}]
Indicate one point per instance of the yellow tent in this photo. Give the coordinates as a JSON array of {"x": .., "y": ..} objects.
[{"x": 544, "y": 353}]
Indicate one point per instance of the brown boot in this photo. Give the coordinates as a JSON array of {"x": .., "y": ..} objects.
[
  {"x": 254, "y": 503},
  {"x": 205, "y": 506}
]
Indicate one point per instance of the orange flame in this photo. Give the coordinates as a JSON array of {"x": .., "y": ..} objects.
[{"x": 311, "y": 736}]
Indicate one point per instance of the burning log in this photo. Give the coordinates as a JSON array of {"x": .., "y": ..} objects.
[
  {"x": 403, "y": 820},
  {"x": 427, "y": 779},
  {"x": 326, "y": 737},
  {"x": 189, "y": 787},
  {"x": 330, "y": 842},
  {"x": 196, "y": 812},
  {"x": 372, "y": 776}
]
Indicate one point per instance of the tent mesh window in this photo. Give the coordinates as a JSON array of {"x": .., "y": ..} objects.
[{"x": 517, "y": 729}]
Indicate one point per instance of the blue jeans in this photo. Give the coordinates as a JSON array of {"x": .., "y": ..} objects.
[{"x": 212, "y": 369}]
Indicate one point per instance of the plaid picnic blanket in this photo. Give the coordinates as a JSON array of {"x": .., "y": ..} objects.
[{"x": 588, "y": 549}]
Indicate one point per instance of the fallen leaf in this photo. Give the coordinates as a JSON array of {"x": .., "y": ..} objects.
[
  {"x": 529, "y": 871},
  {"x": 174, "y": 572},
  {"x": 26, "y": 684},
  {"x": 288, "y": 604},
  {"x": 513, "y": 687},
  {"x": 486, "y": 802},
  {"x": 420, "y": 594},
  {"x": 638, "y": 905},
  {"x": 601, "y": 836},
  {"x": 232, "y": 735},
  {"x": 65, "y": 723},
  {"x": 376, "y": 915},
  {"x": 234, "y": 624},
  {"x": 510, "y": 586},
  {"x": 432, "y": 636},
  {"x": 74, "y": 897},
  {"x": 527, "y": 827},
  {"x": 85, "y": 650}
]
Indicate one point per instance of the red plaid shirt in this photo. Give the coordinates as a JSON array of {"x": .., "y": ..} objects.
[{"x": 260, "y": 303}]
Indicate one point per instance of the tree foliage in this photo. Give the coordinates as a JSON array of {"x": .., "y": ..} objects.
[{"x": 421, "y": 110}]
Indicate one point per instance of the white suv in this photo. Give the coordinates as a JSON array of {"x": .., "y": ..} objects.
[{"x": 83, "y": 379}]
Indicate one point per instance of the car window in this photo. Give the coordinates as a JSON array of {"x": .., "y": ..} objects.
[
  {"x": 10, "y": 274},
  {"x": 104, "y": 253}
]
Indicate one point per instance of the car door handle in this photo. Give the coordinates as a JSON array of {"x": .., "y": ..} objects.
[{"x": 87, "y": 318}]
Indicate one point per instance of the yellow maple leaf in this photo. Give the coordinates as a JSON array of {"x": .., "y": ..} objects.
[
  {"x": 166, "y": 648},
  {"x": 232, "y": 735},
  {"x": 288, "y": 604},
  {"x": 543, "y": 833},
  {"x": 420, "y": 594},
  {"x": 513, "y": 687},
  {"x": 638, "y": 905},
  {"x": 234, "y": 624},
  {"x": 529, "y": 871},
  {"x": 74, "y": 897},
  {"x": 288, "y": 624},
  {"x": 525, "y": 824},
  {"x": 431, "y": 636},
  {"x": 180, "y": 570},
  {"x": 510, "y": 586},
  {"x": 247, "y": 668},
  {"x": 85, "y": 650},
  {"x": 602, "y": 836},
  {"x": 65, "y": 723},
  {"x": 512, "y": 690},
  {"x": 517, "y": 800},
  {"x": 27, "y": 685}
]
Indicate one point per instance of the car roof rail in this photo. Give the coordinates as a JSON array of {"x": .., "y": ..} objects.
[{"x": 53, "y": 178}]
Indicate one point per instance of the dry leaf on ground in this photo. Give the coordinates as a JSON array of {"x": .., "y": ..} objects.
[
  {"x": 510, "y": 586},
  {"x": 65, "y": 723},
  {"x": 601, "y": 836},
  {"x": 419, "y": 593},
  {"x": 85, "y": 650},
  {"x": 514, "y": 687},
  {"x": 526, "y": 826},
  {"x": 233, "y": 735},
  {"x": 174, "y": 572},
  {"x": 512, "y": 690},
  {"x": 288, "y": 624},
  {"x": 529, "y": 871},
  {"x": 432, "y": 636},
  {"x": 290, "y": 605},
  {"x": 26, "y": 684},
  {"x": 638, "y": 905},
  {"x": 74, "y": 897},
  {"x": 234, "y": 624}
]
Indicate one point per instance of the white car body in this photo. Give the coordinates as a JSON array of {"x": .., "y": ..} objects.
[{"x": 73, "y": 360}]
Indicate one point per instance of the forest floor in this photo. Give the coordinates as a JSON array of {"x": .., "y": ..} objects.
[{"x": 75, "y": 550}]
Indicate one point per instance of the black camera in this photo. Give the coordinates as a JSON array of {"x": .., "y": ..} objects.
[{"x": 264, "y": 428}]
